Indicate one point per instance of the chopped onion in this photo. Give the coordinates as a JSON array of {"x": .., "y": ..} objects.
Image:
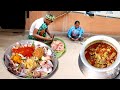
[{"x": 49, "y": 52}]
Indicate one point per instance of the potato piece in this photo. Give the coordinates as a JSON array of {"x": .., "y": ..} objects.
[
  {"x": 30, "y": 64},
  {"x": 112, "y": 55},
  {"x": 102, "y": 61},
  {"x": 108, "y": 50},
  {"x": 105, "y": 55}
]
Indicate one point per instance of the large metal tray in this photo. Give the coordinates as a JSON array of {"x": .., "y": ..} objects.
[{"x": 8, "y": 52}]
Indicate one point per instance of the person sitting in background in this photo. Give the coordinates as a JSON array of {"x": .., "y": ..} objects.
[
  {"x": 75, "y": 32},
  {"x": 39, "y": 28}
]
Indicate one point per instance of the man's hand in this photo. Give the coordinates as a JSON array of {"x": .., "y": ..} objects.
[
  {"x": 52, "y": 36},
  {"x": 50, "y": 39}
]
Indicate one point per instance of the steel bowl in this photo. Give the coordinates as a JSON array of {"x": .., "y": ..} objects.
[
  {"x": 100, "y": 73},
  {"x": 8, "y": 53}
]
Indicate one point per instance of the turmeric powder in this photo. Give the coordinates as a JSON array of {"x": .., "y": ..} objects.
[{"x": 16, "y": 58}]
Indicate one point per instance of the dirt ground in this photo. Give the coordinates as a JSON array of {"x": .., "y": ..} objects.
[{"x": 68, "y": 67}]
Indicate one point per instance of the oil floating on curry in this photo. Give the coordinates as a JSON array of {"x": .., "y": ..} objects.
[{"x": 100, "y": 55}]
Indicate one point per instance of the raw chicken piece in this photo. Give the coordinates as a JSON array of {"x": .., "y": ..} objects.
[
  {"x": 57, "y": 45},
  {"x": 53, "y": 46}
]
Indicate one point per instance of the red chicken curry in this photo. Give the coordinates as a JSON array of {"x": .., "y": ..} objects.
[{"x": 100, "y": 55}]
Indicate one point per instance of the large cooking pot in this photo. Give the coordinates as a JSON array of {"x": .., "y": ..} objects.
[{"x": 93, "y": 72}]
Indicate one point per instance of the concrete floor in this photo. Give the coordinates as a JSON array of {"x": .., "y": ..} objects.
[{"x": 68, "y": 64}]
